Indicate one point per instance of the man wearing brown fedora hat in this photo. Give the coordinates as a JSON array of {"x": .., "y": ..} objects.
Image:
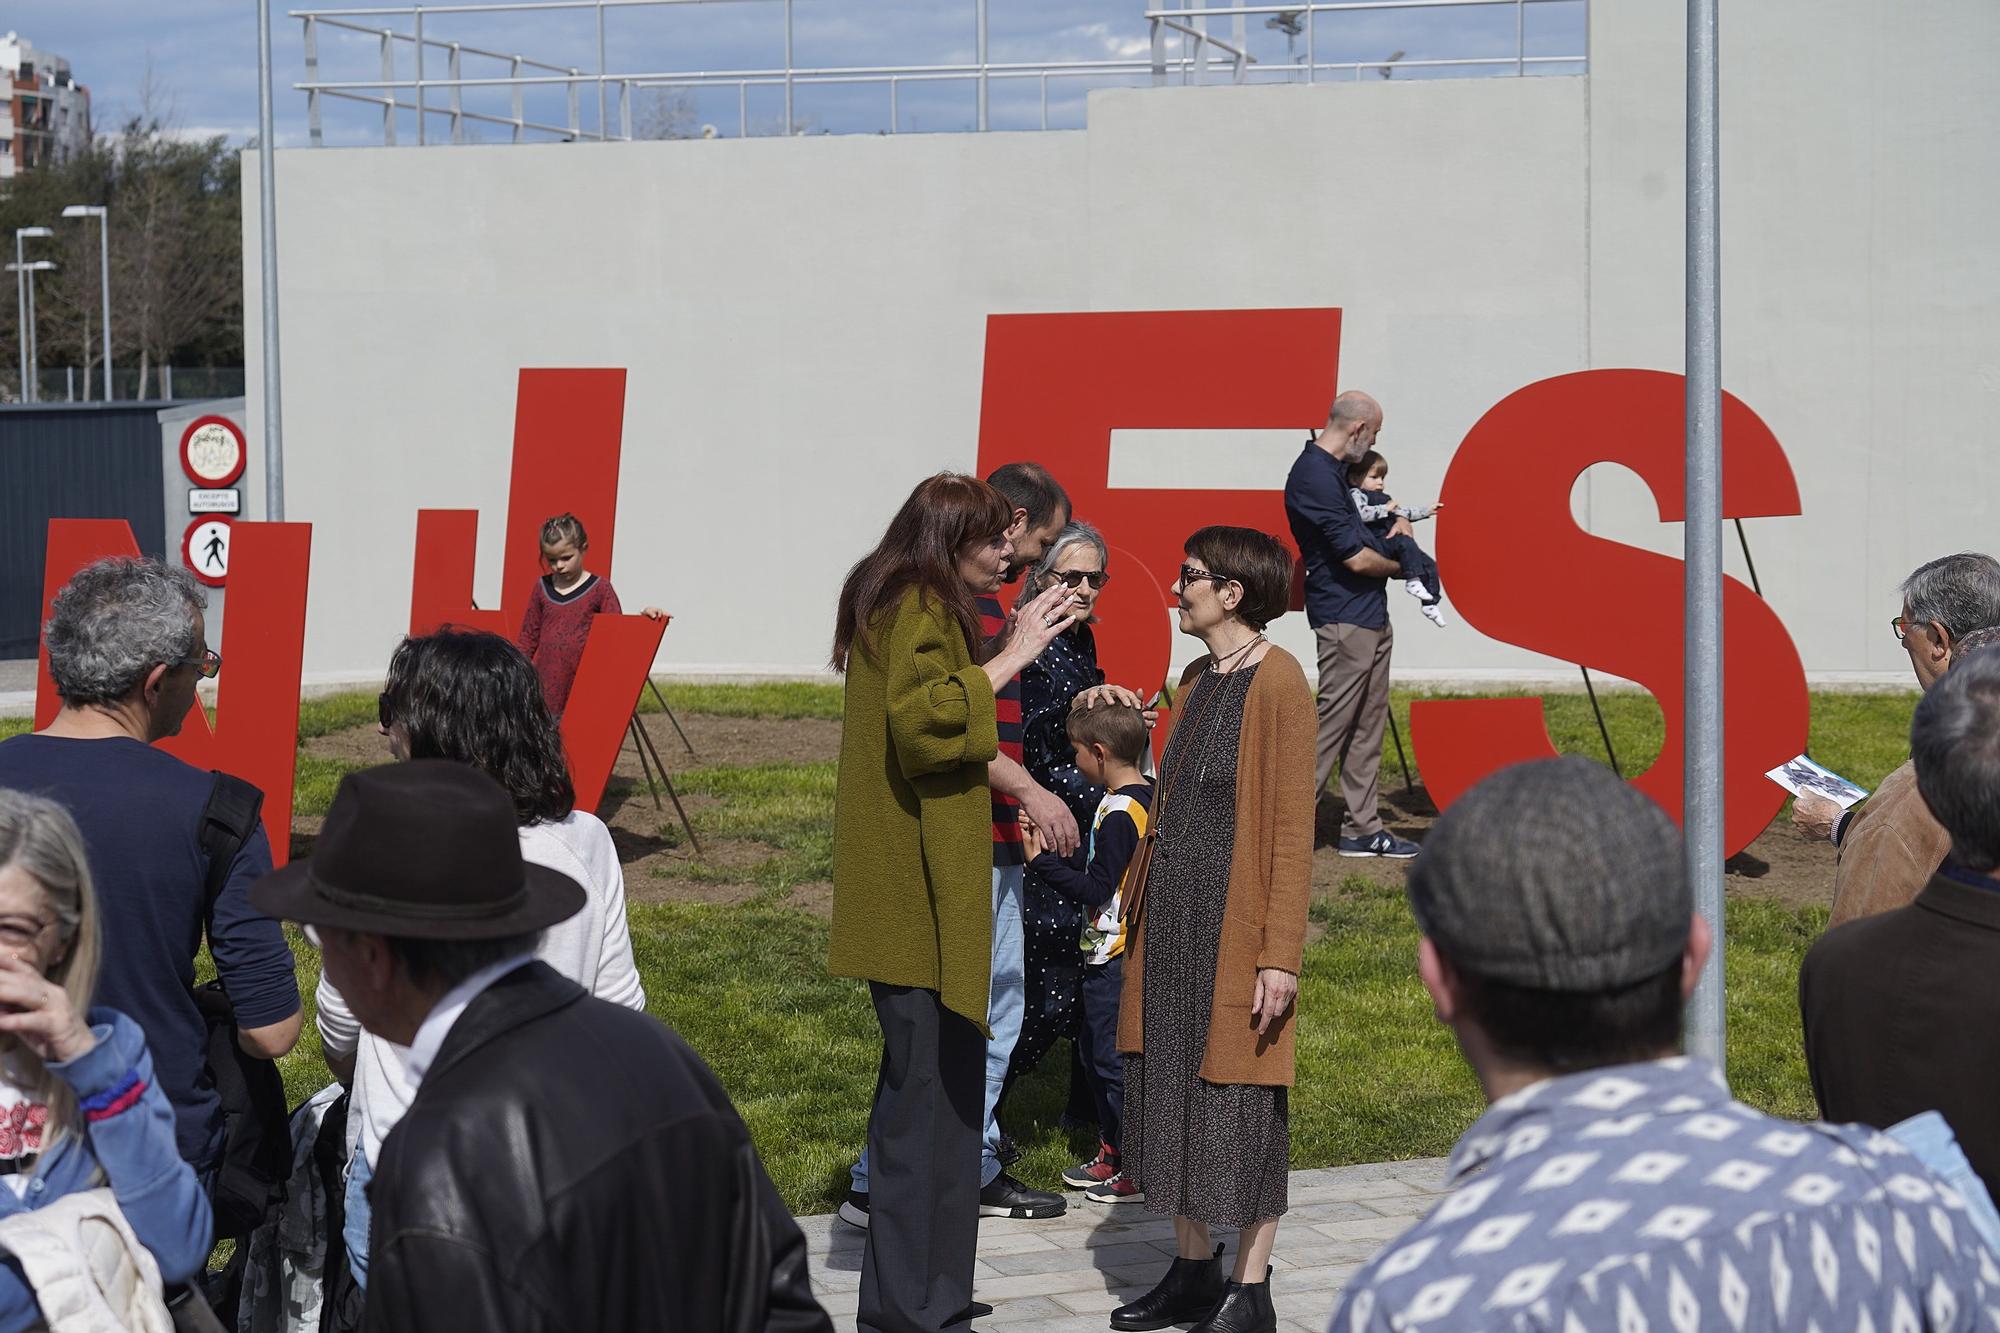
[{"x": 567, "y": 1163}]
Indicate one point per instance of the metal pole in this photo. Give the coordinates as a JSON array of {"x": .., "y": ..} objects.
[
  {"x": 514, "y": 77},
  {"x": 979, "y": 11},
  {"x": 1312, "y": 50},
  {"x": 601, "y": 117},
  {"x": 788, "y": 67},
  {"x": 34, "y": 349},
  {"x": 104, "y": 286},
  {"x": 312, "y": 76},
  {"x": 420, "y": 76},
  {"x": 389, "y": 94},
  {"x": 1520, "y": 38},
  {"x": 1702, "y": 796},
  {"x": 267, "y": 223},
  {"x": 21, "y": 311}
]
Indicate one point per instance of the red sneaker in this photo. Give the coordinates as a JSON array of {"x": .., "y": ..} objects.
[
  {"x": 1121, "y": 1188},
  {"x": 1093, "y": 1172}
]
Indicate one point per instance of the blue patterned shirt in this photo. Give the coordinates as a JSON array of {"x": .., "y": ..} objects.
[{"x": 1643, "y": 1197}]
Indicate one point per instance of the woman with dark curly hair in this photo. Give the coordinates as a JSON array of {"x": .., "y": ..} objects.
[{"x": 475, "y": 698}]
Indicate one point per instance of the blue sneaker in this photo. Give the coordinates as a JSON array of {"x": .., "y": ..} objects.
[{"x": 1384, "y": 843}]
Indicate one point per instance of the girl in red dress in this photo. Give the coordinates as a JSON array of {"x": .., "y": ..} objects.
[{"x": 558, "y": 616}]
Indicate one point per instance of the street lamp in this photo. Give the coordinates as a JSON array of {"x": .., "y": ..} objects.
[
  {"x": 21, "y": 300},
  {"x": 103, "y": 217},
  {"x": 31, "y": 357}
]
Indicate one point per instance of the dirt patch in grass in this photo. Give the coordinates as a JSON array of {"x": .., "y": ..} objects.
[
  {"x": 733, "y": 741},
  {"x": 660, "y": 866},
  {"x": 1778, "y": 867}
]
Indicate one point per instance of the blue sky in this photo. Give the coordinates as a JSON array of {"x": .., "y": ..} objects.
[{"x": 202, "y": 55}]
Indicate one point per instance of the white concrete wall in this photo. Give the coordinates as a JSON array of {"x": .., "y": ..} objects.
[{"x": 803, "y": 319}]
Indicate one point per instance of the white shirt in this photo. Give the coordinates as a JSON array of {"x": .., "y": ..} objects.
[
  {"x": 444, "y": 1015},
  {"x": 592, "y": 948}
]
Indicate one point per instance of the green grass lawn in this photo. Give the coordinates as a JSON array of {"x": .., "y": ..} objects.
[{"x": 747, "y": 986}]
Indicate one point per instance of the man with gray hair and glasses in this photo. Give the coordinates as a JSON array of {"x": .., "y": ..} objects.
[
  {"x": 1900, "y": 1008},
  {"x": 126, "y": 645},
  {"x": 1889, "y": 845}
]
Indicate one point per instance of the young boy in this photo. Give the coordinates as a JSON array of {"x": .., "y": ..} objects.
[
  {"x": 1378, "y": 509},
  {"x": 1110, "y": 742}
]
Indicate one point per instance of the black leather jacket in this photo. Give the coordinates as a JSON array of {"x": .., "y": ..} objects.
[{"x": 569, "y": 1164}]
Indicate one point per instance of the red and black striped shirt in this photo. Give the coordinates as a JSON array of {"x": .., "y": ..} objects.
[{"x": 1007, "y": 701}]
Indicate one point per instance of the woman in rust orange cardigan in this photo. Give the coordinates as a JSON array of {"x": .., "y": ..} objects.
[{"x": 1213, "y": 965}]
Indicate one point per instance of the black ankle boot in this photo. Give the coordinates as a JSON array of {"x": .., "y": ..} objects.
[
  {"x": 1188, "y": 1291},
  {"x": 1245, "y": 1307}
]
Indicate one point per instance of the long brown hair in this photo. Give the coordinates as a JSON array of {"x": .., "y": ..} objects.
[{"x": 920, "y": 549}]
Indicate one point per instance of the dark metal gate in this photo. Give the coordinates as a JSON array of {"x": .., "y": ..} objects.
[{"x": 82, "y": 460}]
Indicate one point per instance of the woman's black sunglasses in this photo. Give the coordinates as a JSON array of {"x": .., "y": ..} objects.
[{"x": 1074, "y": 578}]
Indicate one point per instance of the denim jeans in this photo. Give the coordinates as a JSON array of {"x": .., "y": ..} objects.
[
  {"x": 1004, "y": 1007},
  {"x": 1931, "y": 1142},
  {"x": 354, "y": 1233}
]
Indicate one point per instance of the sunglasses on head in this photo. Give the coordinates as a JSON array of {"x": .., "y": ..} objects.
[{"x": 1076, "y": 578}]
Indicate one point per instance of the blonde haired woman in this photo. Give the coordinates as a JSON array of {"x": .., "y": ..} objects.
[{"x": 78, "y": 1105}]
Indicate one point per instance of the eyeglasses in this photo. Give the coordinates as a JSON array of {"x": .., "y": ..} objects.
[
  {"x": 383, "y": 713},
  {"x": 1076, "y": 578},
  {"x": 21, "y": 932},
  {"x": 208, "y": 665},
  {"x": 1189, "y": 574}
]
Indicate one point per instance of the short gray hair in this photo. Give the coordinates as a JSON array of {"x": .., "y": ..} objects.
[
  {"x": 1073, "y": 535},
  {"x": 1960, "y": 592},
  {"x": 1955, "y": 742},
  {"x": 116, "y": 620}
]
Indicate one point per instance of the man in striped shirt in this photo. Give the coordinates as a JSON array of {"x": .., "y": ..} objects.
[{"x": 1041, "y": 510}]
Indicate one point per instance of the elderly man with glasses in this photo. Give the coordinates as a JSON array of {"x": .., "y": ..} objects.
[
  {"x": 1890, "y": 845},
  {"x": 126, "y": 647}
]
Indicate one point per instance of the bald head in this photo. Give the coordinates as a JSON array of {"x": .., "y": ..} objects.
[{"x": 1351, "y": 426}]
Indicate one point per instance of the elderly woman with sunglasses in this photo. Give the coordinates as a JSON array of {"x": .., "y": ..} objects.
[{"x": 1052, "y": 925}]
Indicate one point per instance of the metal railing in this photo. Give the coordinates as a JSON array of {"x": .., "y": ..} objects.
[{"x": 1182, "y": 50}]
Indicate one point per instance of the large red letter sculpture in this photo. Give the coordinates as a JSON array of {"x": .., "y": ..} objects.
[
  {"x": 255, "y": 736},
  {"x": 568, "y": 429},
  {"x": 1058, "y": 385},
  {"x": 1521, "y": 570}
]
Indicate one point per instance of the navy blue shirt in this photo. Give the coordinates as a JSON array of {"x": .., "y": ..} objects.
[
  {"x": 1328, "y": 531},
  {"x": 140, "y": 812}
]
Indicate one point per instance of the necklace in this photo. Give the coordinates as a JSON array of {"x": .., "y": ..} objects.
[{"x": 1222, "y": 662}]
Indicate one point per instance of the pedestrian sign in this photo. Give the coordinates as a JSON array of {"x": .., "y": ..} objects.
[{"x": 205, "y": 550}]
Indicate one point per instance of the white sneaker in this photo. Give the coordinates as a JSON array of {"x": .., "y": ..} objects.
[
  {"x": 1433, "y": 614},
  {"x": 1416, "y": 589}
]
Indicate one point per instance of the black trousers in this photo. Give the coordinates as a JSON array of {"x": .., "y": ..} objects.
[
  {"x": 923, "y": 1164},
  {"x": 1103, "y": 1066}
]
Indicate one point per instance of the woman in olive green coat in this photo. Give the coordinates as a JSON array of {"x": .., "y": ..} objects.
[{"x": 912, "y": 881}]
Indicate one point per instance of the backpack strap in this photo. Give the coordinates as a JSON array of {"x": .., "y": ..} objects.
[{"x": 227, "y": 823}]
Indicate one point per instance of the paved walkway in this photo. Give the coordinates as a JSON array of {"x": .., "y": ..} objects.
[{"x": 1066, "y": 1275}]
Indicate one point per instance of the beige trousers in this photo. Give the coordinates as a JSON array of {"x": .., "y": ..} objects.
[{"x": 1353, "y": 712}]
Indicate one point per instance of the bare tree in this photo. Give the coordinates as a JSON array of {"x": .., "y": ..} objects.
[{"x": 666, "y": 113}]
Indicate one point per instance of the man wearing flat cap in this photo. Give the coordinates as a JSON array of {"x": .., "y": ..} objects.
[
  {"x": 1614, "y": 1183},
  {"x": 567, "y": 1163}
]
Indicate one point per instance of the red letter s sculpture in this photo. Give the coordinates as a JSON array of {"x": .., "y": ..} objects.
[{"x": 1520, "y": 570}]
